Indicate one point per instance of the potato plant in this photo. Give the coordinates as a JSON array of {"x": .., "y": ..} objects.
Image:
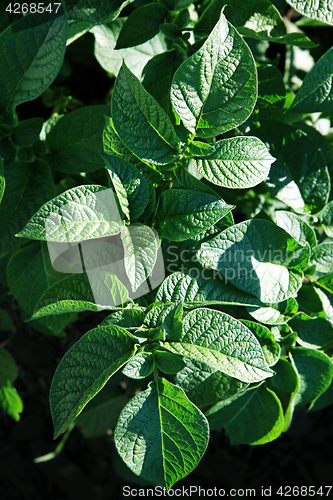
[{"x": 195, "y": 207}]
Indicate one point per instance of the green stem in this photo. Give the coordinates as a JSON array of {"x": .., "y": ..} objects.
[{"x": 50, "y": 456}]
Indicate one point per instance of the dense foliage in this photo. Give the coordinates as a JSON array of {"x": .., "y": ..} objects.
[{"x": 196, "y": 209}]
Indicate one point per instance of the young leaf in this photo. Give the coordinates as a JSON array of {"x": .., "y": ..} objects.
[
  {"x": 255, "y": 417},
  {"x": 299, "y": 176},
  {"x": 270, "y": 347},
  {"x": 237, "y": 163},
  {"x": 32, "y": 52},
  {"x": 75, "y": 140},
  {"x": 141, "y": 25},
  {"x": 241, "y": 254},
  {"x": 222, "y": 342},
  {"x": 28, "y": 186},
  {"x": 85, "y": 369},
  {"x": 321, "y": 10},
  {"x": 215, "y": 89},
  {"x": 10, "y": 401},
  {"x": 130, "y": 317},
  {"x": 140, "y": 122},
  {"x": 315, "y": 94},
  {"x": 140, "y": 247},
  {"x": 140, "y": 366},
  {"x": 315, "y": 370},
  {"x": 168, "y": 362},
  {"x": 161, "y": 435},
  {"x": 312, "y": 333},
  {"x": 183, "y": 214},
  {"x": 130, "y": 185},
  {"x": 82, "y": 213}
]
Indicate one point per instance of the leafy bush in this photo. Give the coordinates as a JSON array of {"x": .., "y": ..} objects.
[{"x": 196, "y": 209}]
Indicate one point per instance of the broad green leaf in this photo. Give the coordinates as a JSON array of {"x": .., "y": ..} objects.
[
  {"x": 77, "y": 293},
  {"x": 130, "y": 185},
  {"x": 81, "y": 213},
  {"x": 6, "y": 322},
  {"x": 32, "y": 52},
  {"x": 204, "y": 384},
  {"x": 161, "y": 435},
  {"x": 140, "y": 247},
  {"x": 322, "y": 256},
  {"x": 271, "y": 88},
  {"x": 2, "y": 179},
  {"x": 135, "y": 58},
  {"x": 184, "y": 213},
  {"x": 10, "y": 401},
  {"x": 215, "y": 89},
  {"x": 157, "y": 77},
  {"x": 296, "y": 227},
  {"x": 130, "y": 317},
  {"x": 85, "y": 369},
  {"x": 222, "y": 342},
  {"x": 299, "y": 176},
  {"x": 326, "y": 299},
  {"x": 315, "y": 94},
  {"x": 315, "y": 370},
  {"x": 142, "y": 24},
  {"x": 75, "y": 140},
  {"x": 240, "y": 253},
  {"x": 102, "y": 412},
  {"x": 237, "y": 163},
  {"x": 140, "y": 122},
  {"x": 326, "y": 218},
  {"x": 255, "y": 417},
  {"x": 314, "y": 9},
  {"x": 321, "y": 141},
  {"x": 29, "y": 275},
  {"x": 27, "y": 132},
  {"x": 84, "y": 14},
  {"x": 270, "y": 315},
  {"x": 28, "y": 186},
  {"x": 285, "y": 378},
  {"x": 324, "y": 400},
  {"x": 312, "y": 333},
  {"x": 298, "y": 39},
  {"x": 270, "y": 347},
  {"x": 326, "y": 282},
  {"x": 141, "y": 365},
  {"x": 196, "y": 291},
  {"x": 159, "y": 313}
]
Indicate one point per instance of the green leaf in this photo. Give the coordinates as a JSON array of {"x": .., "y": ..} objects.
[
  {"x": 320, "y": 10},
  {"x": 298, "y": 39},
  {"x": 324, "y": 400},
  {"x": 10, "y": 401},
  {"x": 168, "y": 362},
  {"x": 315, "y": 370},
  {"x": 32, "y": 51},
  {"x": 237, "y": 163},
  {"x": 326, "y": 218},
  {"x": 296, "y": 227},
  {"x": 139, "y": 366},
  {"x": 82, "y": 213},
  {"x": 29, "y": 275},
  {"x": 326, "y": 299},
  {"x": 326, "y": 282},
  {"x": 241, "y": 255},
  {"x": 161, "y": 435},
  {"x": 215, "y": 89},
  {"x": 271, "y": 89},
  {"x": 270, "y": 347},
  {"x": 299, "y": 176},
  {"x": 28, "y": 186},
  {"x": 130, "y": 186},
  {"x": 285, "y": 378},
  {"x": 157, "y": 77},
  {"x": 322, "y": 256},
  {"x": 102, "y": 412},
  {"x": 255, "y": 417},
  {"x": 140, "y": 246},
  {"x": 27, "y": 132},
  {"x": 2, "y": 179},
  {"x": 222, "y": 342},
  {"x": 135, "y": 58},
  {"x": 6, "y": 322},
  {"x": 80, "y": 293},
  {"x": 130, "y": 317},
  {"x": 184, "y": 213},
  {"x": 75, "y": 140},
  {"x": 312, "y": 333},
  {"x": 271, "y": 315},
  {"x": 140, "y": 122},
  {"x": 315, "y": 94},
  {"x": 142, "y": 24},
  {"x": 200, "y": 290},
  {"x": 204, "y": 384},
  {"x": 85, "y": 369}
]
